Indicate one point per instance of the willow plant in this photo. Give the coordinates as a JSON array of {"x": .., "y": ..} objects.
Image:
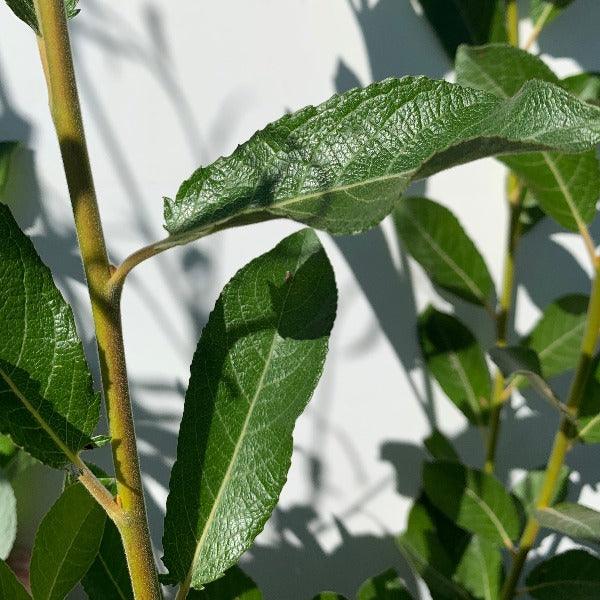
[{"x": 340, "y": 167}]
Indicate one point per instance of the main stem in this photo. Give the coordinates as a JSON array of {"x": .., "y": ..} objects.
[
  {"x": 55, "y": 52},
  {"x": 515, "y": 203},
  {"x": 565, "y": 436}
]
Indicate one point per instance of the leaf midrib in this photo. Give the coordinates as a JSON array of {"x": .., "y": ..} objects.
[
  {"x": 216, "y": 504},
  {"x": 490, "y": 515},
  {"x": 571, "y": 519}
]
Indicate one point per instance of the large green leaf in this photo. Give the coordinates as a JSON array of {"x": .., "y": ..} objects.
[
  {"x": 6, "y": 151},
  {"x": 574, "y": 575},
  {"x": 433, "y": 545},
  {"x": 385, "y": 586},
  {"x": 234, "y": 585},
  {"x": 8, "y": 517},
  {"x": 528, "y": 489},
  {"x": 575, "y": 520},
  {"x": 25, "y": 10},
  {"x": 342, "y": 166},
  {"x": 473, "y": 500},
  {"x": 556, "y": 337},
  {"x": 49, "y": 406},
  {"x": 440, "y": 447},
  {"x": 10, "y": 586},
  {"x": 436, "y": 239},
  {"x": 565, "y": 186},
  {"x": 454, "y": 357},
  {"x": 66, "y": 544},
  {"x": 586, "y": 86},
  {"x": 256, "y": 366},
  {"x": 480, "y": 569},
  {"x": 465, "y": 22},
  {"x": 108, "y": 576}
]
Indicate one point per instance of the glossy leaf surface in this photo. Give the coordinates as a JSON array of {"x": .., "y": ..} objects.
[
  {"x": 10, "y": 587},
  {"x": 440, "y": 447},
  {"x": 453, "y": 356},
  {"x": 385, "y": 586},
  {"x": 66, "y": 544},
  {"x": 565, "y": 186},
  {"x": 480, "y": 569},
  {"x": 342, "y": 166},
  {"x": 574, "y": 575},
  {"x": 435, "y": 238},
  {"x": 473, "y": 500},
  {"x": 256, "y": 366},
  {"x": 49, "y": 405}
]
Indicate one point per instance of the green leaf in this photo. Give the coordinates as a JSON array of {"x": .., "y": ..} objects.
[
  {"x": 329, "y": 596},
  {"x": 499, "y": 69},
  {"x": 565, "y": 186},
  {"x": 66, "y": 543},
  {"x": 8, "y": 517},
  {"x": 480, "y": 569},
  {"x": 433, "y": 546},
  {"x": 465, "y": 21},
  {"x": 385, "y": 586},
  {"x": 440, "y": 447},
  {"x": 545, "y": 11},
  {"x": 436, "y": 239},
  {"x": 343, "y": 165},
  {"x": 589, "y": 411},
  {"x": 234, "y": 585},
  {"x": 574, "y": 575},
  {"x": 7, "y": 150},
  {"x": 256, "y": 366},
  {"x": 575, "y": 520},
  {"x": 49, "y": 405},
  {"x": 528, "y": 489},
  {"x": 556, "y": 337},
  {"x": 586, "y": 86},
  {"x": 108, "y": 576},
  {"x": 10, "y": 586},
  {"x": 454, "y": 357},
  {"x": 473, "y": 500},
  {"x": 25, "y": 10}
]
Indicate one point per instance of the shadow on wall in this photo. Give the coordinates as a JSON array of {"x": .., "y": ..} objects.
[{"x": 396, "y": 39}]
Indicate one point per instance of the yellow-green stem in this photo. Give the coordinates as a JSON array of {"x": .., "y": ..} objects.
[
  {"x": 515, "y": 194},
  {"x": 565, "y": 436},
  {"x": 512, "y": 22},
  {"x": 55, "y": 52}
]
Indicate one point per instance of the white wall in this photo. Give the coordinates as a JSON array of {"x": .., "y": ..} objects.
[{"x": 167, "y": 86}]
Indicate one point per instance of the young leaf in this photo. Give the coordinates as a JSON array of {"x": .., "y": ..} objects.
[
  {"x": 575, "y": 520},
  {"x": 234, "y": 585},
  {"x": 49, "y": 406},
  {"x": 25, "y": 10},
  {"x": 545, "y": 11},
  {"x": 565, "y": 186},
  {"x": 108, "y": 576},
  {"x": 10, "y": 586},
  {"x": 528, "y": 489},
  {"x": 343, "y": 165},
  {"x": 480, "y": 569},
  {"x": 6, "y": 151},
  {"x": 256, "y": 366},
  {"x": 433, "y": 545},
  {"x": 574, "y": 575},
  {"x": 66, "y": 543},
  {"x": 385, "y": 586},
  {"x": 454, "y": 357},
  {"x": 440, "y": 447},
  {"x": 436, "y": 239},
  {"x": 8, "y": 517},
  {"x": 556, "y": 337},
  {"x": 465, "y": 22},
  {"x": 473, "y": 500}
]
